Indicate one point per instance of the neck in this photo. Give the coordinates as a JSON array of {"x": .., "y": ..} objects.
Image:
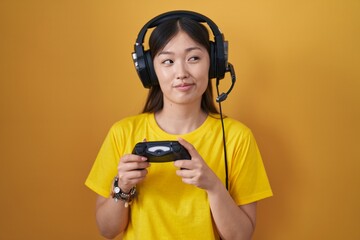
[{"x": 180, "y": 120}]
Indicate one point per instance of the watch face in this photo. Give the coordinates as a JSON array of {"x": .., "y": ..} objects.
[{"x": 116, "y": 189}]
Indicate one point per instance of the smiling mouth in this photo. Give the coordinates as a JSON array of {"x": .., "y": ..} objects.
[{"x": 183, "y": 85}]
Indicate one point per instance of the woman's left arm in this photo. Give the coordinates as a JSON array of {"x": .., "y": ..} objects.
[{"x": 232, "y": 221}]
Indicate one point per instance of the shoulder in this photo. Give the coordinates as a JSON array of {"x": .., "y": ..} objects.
[
  {"x": 230, "y": 123},
  {"x": 235, "y": 130},
  {"x": 130, "y": 124},
  {"x": 131, "y": 121}
]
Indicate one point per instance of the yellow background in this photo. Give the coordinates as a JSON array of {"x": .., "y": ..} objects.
[{"x": 67, "y": 75}]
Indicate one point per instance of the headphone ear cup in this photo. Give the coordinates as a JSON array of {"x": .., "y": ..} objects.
[
  {"x": 213, "y": 62},
  {"x": 153, "y": 81},
  {"x": 141, "y": 66}
]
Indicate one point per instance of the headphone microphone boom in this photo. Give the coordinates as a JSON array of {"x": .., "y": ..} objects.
[{"x": 223, "y": 96}]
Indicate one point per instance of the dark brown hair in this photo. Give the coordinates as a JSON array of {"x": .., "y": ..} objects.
[{"x": 161, "y": 35}]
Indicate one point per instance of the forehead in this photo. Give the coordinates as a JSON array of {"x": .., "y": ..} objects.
[{"x": 182, "y": 40}]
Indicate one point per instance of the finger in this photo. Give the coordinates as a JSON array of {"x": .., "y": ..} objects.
[
  {"x": 132, "y": 158},
  {"x": 185, "y": 173},
  {"x": 131, "y": 178},
  {"x": 192, "y": 151},
  {"x": 131, "y": 166},
  {"x": 135, "y": 174},
  {"x": 183, "y": 164},
  {"x": 189, "y": 181},
  {"x": 187, "y": 176}
]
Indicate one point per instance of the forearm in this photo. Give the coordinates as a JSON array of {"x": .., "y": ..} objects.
[
  {"x": 232, "y": 221},
  {"x": 111, "y": 217}
]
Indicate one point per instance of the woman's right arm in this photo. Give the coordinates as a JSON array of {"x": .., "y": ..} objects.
[{"x": 112, "y": 217}]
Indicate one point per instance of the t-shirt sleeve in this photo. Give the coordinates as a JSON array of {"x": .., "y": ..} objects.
[
  {"x": 104, "y": 168},
  {"x": 248, "y": 181}
]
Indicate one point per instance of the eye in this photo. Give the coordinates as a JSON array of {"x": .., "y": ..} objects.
[
  {"x": 167, "y": 62},
  {"x": 194, "y": 59}
]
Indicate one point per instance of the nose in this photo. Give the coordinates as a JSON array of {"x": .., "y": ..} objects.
[{"x": 181, "y": 71}]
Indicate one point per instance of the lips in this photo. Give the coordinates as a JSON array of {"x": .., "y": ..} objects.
[{"x": 183, "y": 86}]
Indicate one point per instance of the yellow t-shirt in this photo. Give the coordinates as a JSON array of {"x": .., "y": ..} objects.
[{"x": 167, "y": 208}]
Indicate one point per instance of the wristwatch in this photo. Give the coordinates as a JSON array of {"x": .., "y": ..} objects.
[{"x": 118, "y": 194}]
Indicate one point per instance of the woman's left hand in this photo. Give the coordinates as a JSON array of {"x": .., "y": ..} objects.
[{"x": 195, "y": 171}]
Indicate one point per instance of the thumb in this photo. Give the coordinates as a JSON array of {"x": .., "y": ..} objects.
[{"x": 192, "y": 151}]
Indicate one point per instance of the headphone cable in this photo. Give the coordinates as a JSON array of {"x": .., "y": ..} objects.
[{"x": 224, "y": 138}]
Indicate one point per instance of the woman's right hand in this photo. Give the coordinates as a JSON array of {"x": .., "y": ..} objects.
[
  {"x": 112, "y": 218},
  {"x": 132, "y": 169}
]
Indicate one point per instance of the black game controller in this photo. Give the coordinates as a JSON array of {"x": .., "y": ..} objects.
[{"x": 161, "y": 151}]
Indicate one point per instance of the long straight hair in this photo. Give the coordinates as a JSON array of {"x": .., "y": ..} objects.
[{"x": 161, "y": 35}]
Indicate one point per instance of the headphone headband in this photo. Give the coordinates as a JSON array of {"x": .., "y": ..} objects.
[{"x": 175, "y": 15}]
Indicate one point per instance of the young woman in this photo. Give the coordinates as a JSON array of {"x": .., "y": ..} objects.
[{"x": 185, "y": 199}]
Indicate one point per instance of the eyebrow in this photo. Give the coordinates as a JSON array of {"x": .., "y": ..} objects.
[{"x": 186, "y": 50}]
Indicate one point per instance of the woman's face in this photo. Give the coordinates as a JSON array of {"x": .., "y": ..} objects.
[{"x": 182, "y": 68}]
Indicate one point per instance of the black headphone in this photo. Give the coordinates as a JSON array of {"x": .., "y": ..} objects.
[{"x": 218, "y": 50}]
